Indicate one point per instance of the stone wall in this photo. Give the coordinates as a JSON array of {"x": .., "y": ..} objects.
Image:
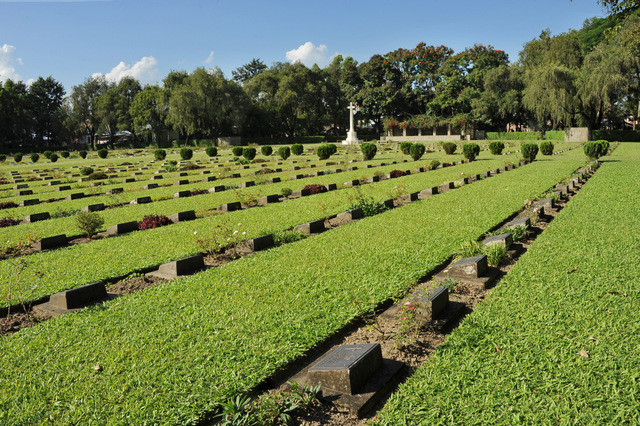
[{"x": 577, "y": 134}]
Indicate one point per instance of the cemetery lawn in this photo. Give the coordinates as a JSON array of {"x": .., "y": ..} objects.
[
  {"x": 557, "y": 341},
  {"x": 173, "y": 353},
  {"x": 49, "y": 272}
]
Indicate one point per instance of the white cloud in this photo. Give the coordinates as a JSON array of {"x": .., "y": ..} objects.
[
  {"x": 209, "y": 58},
  {"x": 310, "y": 54},
  {"x": 145, "y": 71},
  {"x": 7, "y": 70}
]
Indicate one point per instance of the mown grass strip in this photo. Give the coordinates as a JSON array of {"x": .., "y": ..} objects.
[
  {"x": 557, "y": 341},
  {"x": 173, "y": 353},
  {"x": 58, "y": 270}
]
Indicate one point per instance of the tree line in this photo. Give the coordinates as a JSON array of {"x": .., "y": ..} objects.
[{"x": 588, "y": 77}]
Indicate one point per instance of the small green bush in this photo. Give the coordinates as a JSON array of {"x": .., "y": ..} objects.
[
  {"x": 434, "y": 164},
  {"x": 53, "y": 158},
  {"x": 529, "y": 151},
  {"x": 65, "y": 154},
  {"x": 186, "y": 153},
  {"x": 47, "y": 154},
  {"x": 449, "y": 147},
  {"x": 405, "y": 147},
  {"x": 102, "y": 153},
  {"x": 470, "y": 151},
  {"x": 546, "y": 148},
  {"x": 297, "y": 149},
  {"x": 285, "y": 192},
  {"x": 284, "y": 152},
  {"x": 237, "y": 151},
  {"x": 594, "y": 149},
  {"x": 99, "y": 175},
  {"x": 211, "y": 151},
  {"x": 249, "y": 153},
  {"x": 86, "y": 171},
  {"x": 496, "y": 147},
  {"x": 17, "y": 157},
  {"x": 35, "y": 157},
  {"x": 89, "y": 222},
  {"x": 369, "y": 150},
  {"x": 160, "y": 154},
  {"x": 326, "y": 151},
  {"x": 82, "y": 153},
  {"x": 266, "y": 150},
  {"x": 417, "y": 151}
]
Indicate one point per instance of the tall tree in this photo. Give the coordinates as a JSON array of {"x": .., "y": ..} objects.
[
  {"x": 246, "y": 72},
  {"x": 148, "y": 112},
  {"x": 83, "y": 102},
  {"x": 45, "y": 101},
  {"x": 15, "y": 119}
]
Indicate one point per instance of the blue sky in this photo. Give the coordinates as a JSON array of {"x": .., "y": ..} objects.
[{"x": 74, "y": 39}]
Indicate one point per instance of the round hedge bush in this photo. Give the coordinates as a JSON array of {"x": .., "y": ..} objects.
[
  {"x": 211, "y": 151},
  {"x": 249, "y": 153},
  {"x": 53, "y": 158},
  {"x": 284, "y": 152},
  {"x": 17, "y": 157},
  {"x": 65, "y": 154},
  {"x": 417, "y": 151},
  {"x": 82, "y": 153},
  {"x": 35, "y": 157},
  {"x": 546, "y": 148},
  {"x": 405, "y": 147},
  {"x": 595, "y": 149},
  {"x": 529, "y": 151},
  {"x": 471, "y": 150},
  {"x": 102, "y": 153},
  {"x": 47, "y": 154},
  {"x": 496, "y": 147},
  {"x": 326, "y": 151},
  {"x": 369, "y": 150},
  {"x": 237, "y": 151},
  {"x": 297, "y": 149},
  {"x": 186, "y": 153},
  {"x": 449, "y": 147},
  {"x": 160, "y": 154},
  {"x": 266, "y": 150}
]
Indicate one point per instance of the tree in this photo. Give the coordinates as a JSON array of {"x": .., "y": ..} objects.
[
  {"x": 83, "y": 101},
  {"x": 377, "y": 95},
  {"x": 246, "y": 72},
  {"x": 501, "y": 101},
  {"x": 148, "y": 112},
  {"x": 45, "y": 101},
  {"x": 15, "y": 121}
]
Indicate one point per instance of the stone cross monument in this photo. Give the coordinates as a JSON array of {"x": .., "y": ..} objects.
[{"x": 352, "y": 137}]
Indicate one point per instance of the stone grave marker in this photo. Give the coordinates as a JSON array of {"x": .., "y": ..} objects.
[
  {"x": 301, "y": 193},
  {"x": 150, "y": 186},
  {"x": 49, "y": 243},
  {"x": 431, "y": 303},
  {"x": 25, "y": 192},
  {"x": 30, "y": 202},
  {"x": 63, "y": 188},
  {"x": 157, "y": 177},
  {"x": 309, "y": 228},
  {"x": 21, "y": 186},
  {"x": 122, "y": 228},
  {"x": 350, "y": 215},
  {"x": 426, "y": 193},
  {"x": 75, "y": 196},
  {"x": 268, "y": 199},
  {"x": 183, "y": 216},
  {"x": 505, "y": 240},
  {"x": 218, "y": 188},
  {"x": 141, "y": 200},
  {"x": 182, "y": 182},
  {"x": 185, "y": 266},
  {"x": 446, "y": 187},
  {"x": 247, "y": 184},
  {"x": 332, "y": 187},
  {"x": 36, "y": 217},
  {"x": 261, "y": 243},
  {"x": 93, "y": 207},
  {"x": 113, "y": 191},
  {"x": 230, "y": 207},
  {"x": 182, "y": 194},
  {"x": 74, "y": 299},
  {"x": 518, "y": 222}
]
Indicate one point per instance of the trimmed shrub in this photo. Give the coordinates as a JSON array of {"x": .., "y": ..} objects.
[
  {"x": 284, "y": 152},
  {"x": 595, "y": 149},
  {"x": 553, "y": 135},
  {"x": 160, "y": 154},
  {"x": 82, "y": 153},
  {"x": 316, "y": 189},
  {"x": 297, "y": 149},
  {"x": 211, "y": 151},
  {"x": 417, "y": 151},
  {"x": 34, "y": 157},
  {"x": 53, "y": 158},
  {"x": 470, "y": 151},
  {"x": 47, "y": 154},
  {"x": 89, "y": 222},
  {"x": 153, "y": 221},
  {"x": 546, "y": 148},
  {"x": 237, "y": 151},
  {"x": 186, "y": 153},
  {"x": 529, "y": 151},
  {"x": 405, "y": 147},
  {"x": 3, "y": 158},
  {"x": 97, "y": 175},
  {"x": 191, "y": 166},
  {"x": 266, "y": 150},
  {"x": 449, "y": 147},
  {"x": 434, "y": 164},
  {"x": 86, "y": 171},
  {"x": 285, "y": 192},
  {"x": 249, "y": 153},
  {"x": 496, "y": 147},
  {"x": 513, "y": 136},
  {"x": 326, "y": 151},
  {"x": 17, "y": 157},
  {"x": 102, "y": 153},
  {"x": 369, "y": 150},
  {"x": 65, "y": 154}
]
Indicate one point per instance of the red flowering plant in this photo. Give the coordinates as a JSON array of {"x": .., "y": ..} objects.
[
  {"x": 409, "y": 322},
  {"x": 153, "y": 221}
]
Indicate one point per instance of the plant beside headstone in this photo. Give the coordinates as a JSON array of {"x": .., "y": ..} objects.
[
  {"x": 82, "y": 154},
  {"x": 595, "y": 149},
  {"x": 434, "y": 164},
  {"x": 417, "y": 151},
  {"x": 89, "y": 222},
  {"x": 249, "y": 153},
  {"x": 160, "y": 154},
  {"x": 65, "y": 154},
  {"x": 369, "y": 150},
  {"x": 529, "y": 151},
  {"x": 405, "y": 147},
  {"x": 471, "y": 151},
  {"x": 102, "y": 153},
  {"x": 449, "y": 147},
  {"x": 17, "y": 157},
  {"x": 186, "y": 153},
  {"x": 297, "y": 149},
  {"x": 316, "y": 189},
  {"x": 326, "y": 151},
  {"x": 34, "y": 157},
  {"x": 211, "y": 151},
  {"x": 546, "y": 148},
  {"x": 284, "y": 152},
  {"x": 53, "y": 158},
  {"x": 8, "y": 221},
  {"x": 369, "y": 206},
  {"x": 224, "y": 237},
  {"x": 153, "y": 221},
  {"x": 237, "y": 151},
  {"x": 86, "y": 171},
  {"x": 496, "y": 147},
  {"x": 266, "y": 150}
]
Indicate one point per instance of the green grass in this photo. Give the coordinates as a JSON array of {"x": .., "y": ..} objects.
[
  {"x": 174, "y": 352},
  {"x": 65, "y": 268},
  {"x": 517, "y": 359}
]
